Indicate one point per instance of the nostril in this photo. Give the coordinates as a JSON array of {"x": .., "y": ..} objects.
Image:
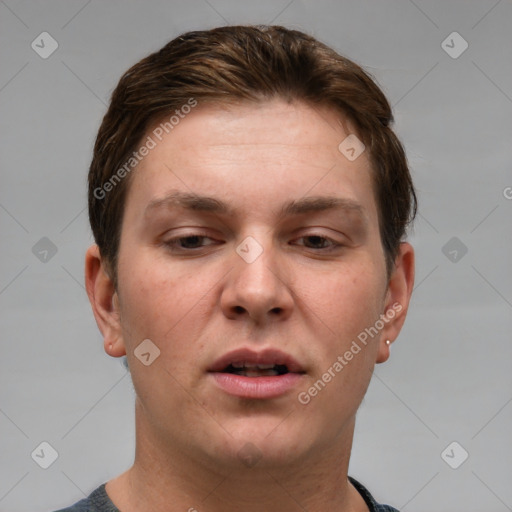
[{"x": 239, "y": 310}]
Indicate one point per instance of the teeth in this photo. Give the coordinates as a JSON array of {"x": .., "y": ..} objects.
[
  {"x": 258, "y": 373},
  {"x": 259, "y": 366},
  {"x": 256, "y": 370},
  {"x": 250, "y": 366}
]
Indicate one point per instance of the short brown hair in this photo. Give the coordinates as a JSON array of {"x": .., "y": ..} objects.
[{"x": 245, "y": 63}]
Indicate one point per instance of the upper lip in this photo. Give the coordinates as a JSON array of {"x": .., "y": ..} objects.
[{"x": 251, "y": 357}]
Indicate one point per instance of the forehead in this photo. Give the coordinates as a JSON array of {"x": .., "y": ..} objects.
[
  {"x": 264, "y": 127},
  {"x": 253, "y": 154}
]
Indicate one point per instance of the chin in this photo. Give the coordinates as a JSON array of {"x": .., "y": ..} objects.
[{"x": 262, "y": 442}]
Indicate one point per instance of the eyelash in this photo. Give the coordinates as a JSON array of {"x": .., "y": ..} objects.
[
  {"x": 172, "y": 243},
  {"x": 333, "y": 243}
]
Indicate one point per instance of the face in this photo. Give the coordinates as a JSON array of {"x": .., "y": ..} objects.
[{"x": 250, "y": 256}]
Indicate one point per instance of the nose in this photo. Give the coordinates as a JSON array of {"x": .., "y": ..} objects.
[{"x": 257, "y": 287}]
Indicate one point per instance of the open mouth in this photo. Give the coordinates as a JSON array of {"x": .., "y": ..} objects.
[
  {"x": 248, "y": 374},
  {"x": 256, "y": 370}
]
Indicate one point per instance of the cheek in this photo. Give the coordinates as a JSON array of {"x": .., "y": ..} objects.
[
  {"x": 347, "y": 300},
  {"x": 165, "y": 311},
  {"x": 347, "y": 305},
  {"x": 169, "y": 308},
  {"x": 150, "y": 303}
]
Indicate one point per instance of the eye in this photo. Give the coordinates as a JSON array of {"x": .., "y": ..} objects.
[
  {"x": 189, "y": 242},
  {"x": 319, "y": 242}
]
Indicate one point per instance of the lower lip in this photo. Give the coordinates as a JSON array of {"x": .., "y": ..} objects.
[{"x": 256, "y": 387}]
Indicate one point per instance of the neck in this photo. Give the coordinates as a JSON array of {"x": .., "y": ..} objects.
[{"x": 161, "y": 477}]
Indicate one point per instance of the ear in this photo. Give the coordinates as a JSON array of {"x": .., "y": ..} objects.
[
  {"x": 104, "y": 301},
  {"x": 397, "y": 299}
]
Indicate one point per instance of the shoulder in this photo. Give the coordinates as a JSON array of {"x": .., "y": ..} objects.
[
  {"x": 97, "y": 501},
  {"x": 372, "y": 505}
]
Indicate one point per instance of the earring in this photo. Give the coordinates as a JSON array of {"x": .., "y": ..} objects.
[{"x": 388, "y": 343}]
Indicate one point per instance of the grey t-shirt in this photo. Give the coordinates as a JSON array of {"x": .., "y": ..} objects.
[{"x": 99, "y": 501}]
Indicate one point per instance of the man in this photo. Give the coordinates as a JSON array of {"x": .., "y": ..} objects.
[{"x": 249, "y": 202}]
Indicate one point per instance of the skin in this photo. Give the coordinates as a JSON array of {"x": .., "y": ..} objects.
[{"x": 197, "y": 299}]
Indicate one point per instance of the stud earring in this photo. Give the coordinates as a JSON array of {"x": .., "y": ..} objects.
[{"x": 388, "y": 343}]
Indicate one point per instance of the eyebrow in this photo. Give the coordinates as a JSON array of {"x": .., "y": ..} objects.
[
  {"x": 196, "y": 202},
  {"x": 321, "y": 203},
  {"x": 189, "y": 201}
]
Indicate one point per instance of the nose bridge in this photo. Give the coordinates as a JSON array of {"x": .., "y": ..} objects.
[
  {"x": 256, "y": 289},
  {"x": 254, "y": 269}
]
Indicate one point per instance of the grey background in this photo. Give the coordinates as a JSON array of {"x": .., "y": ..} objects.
[{"x": 449, "y": 376}]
